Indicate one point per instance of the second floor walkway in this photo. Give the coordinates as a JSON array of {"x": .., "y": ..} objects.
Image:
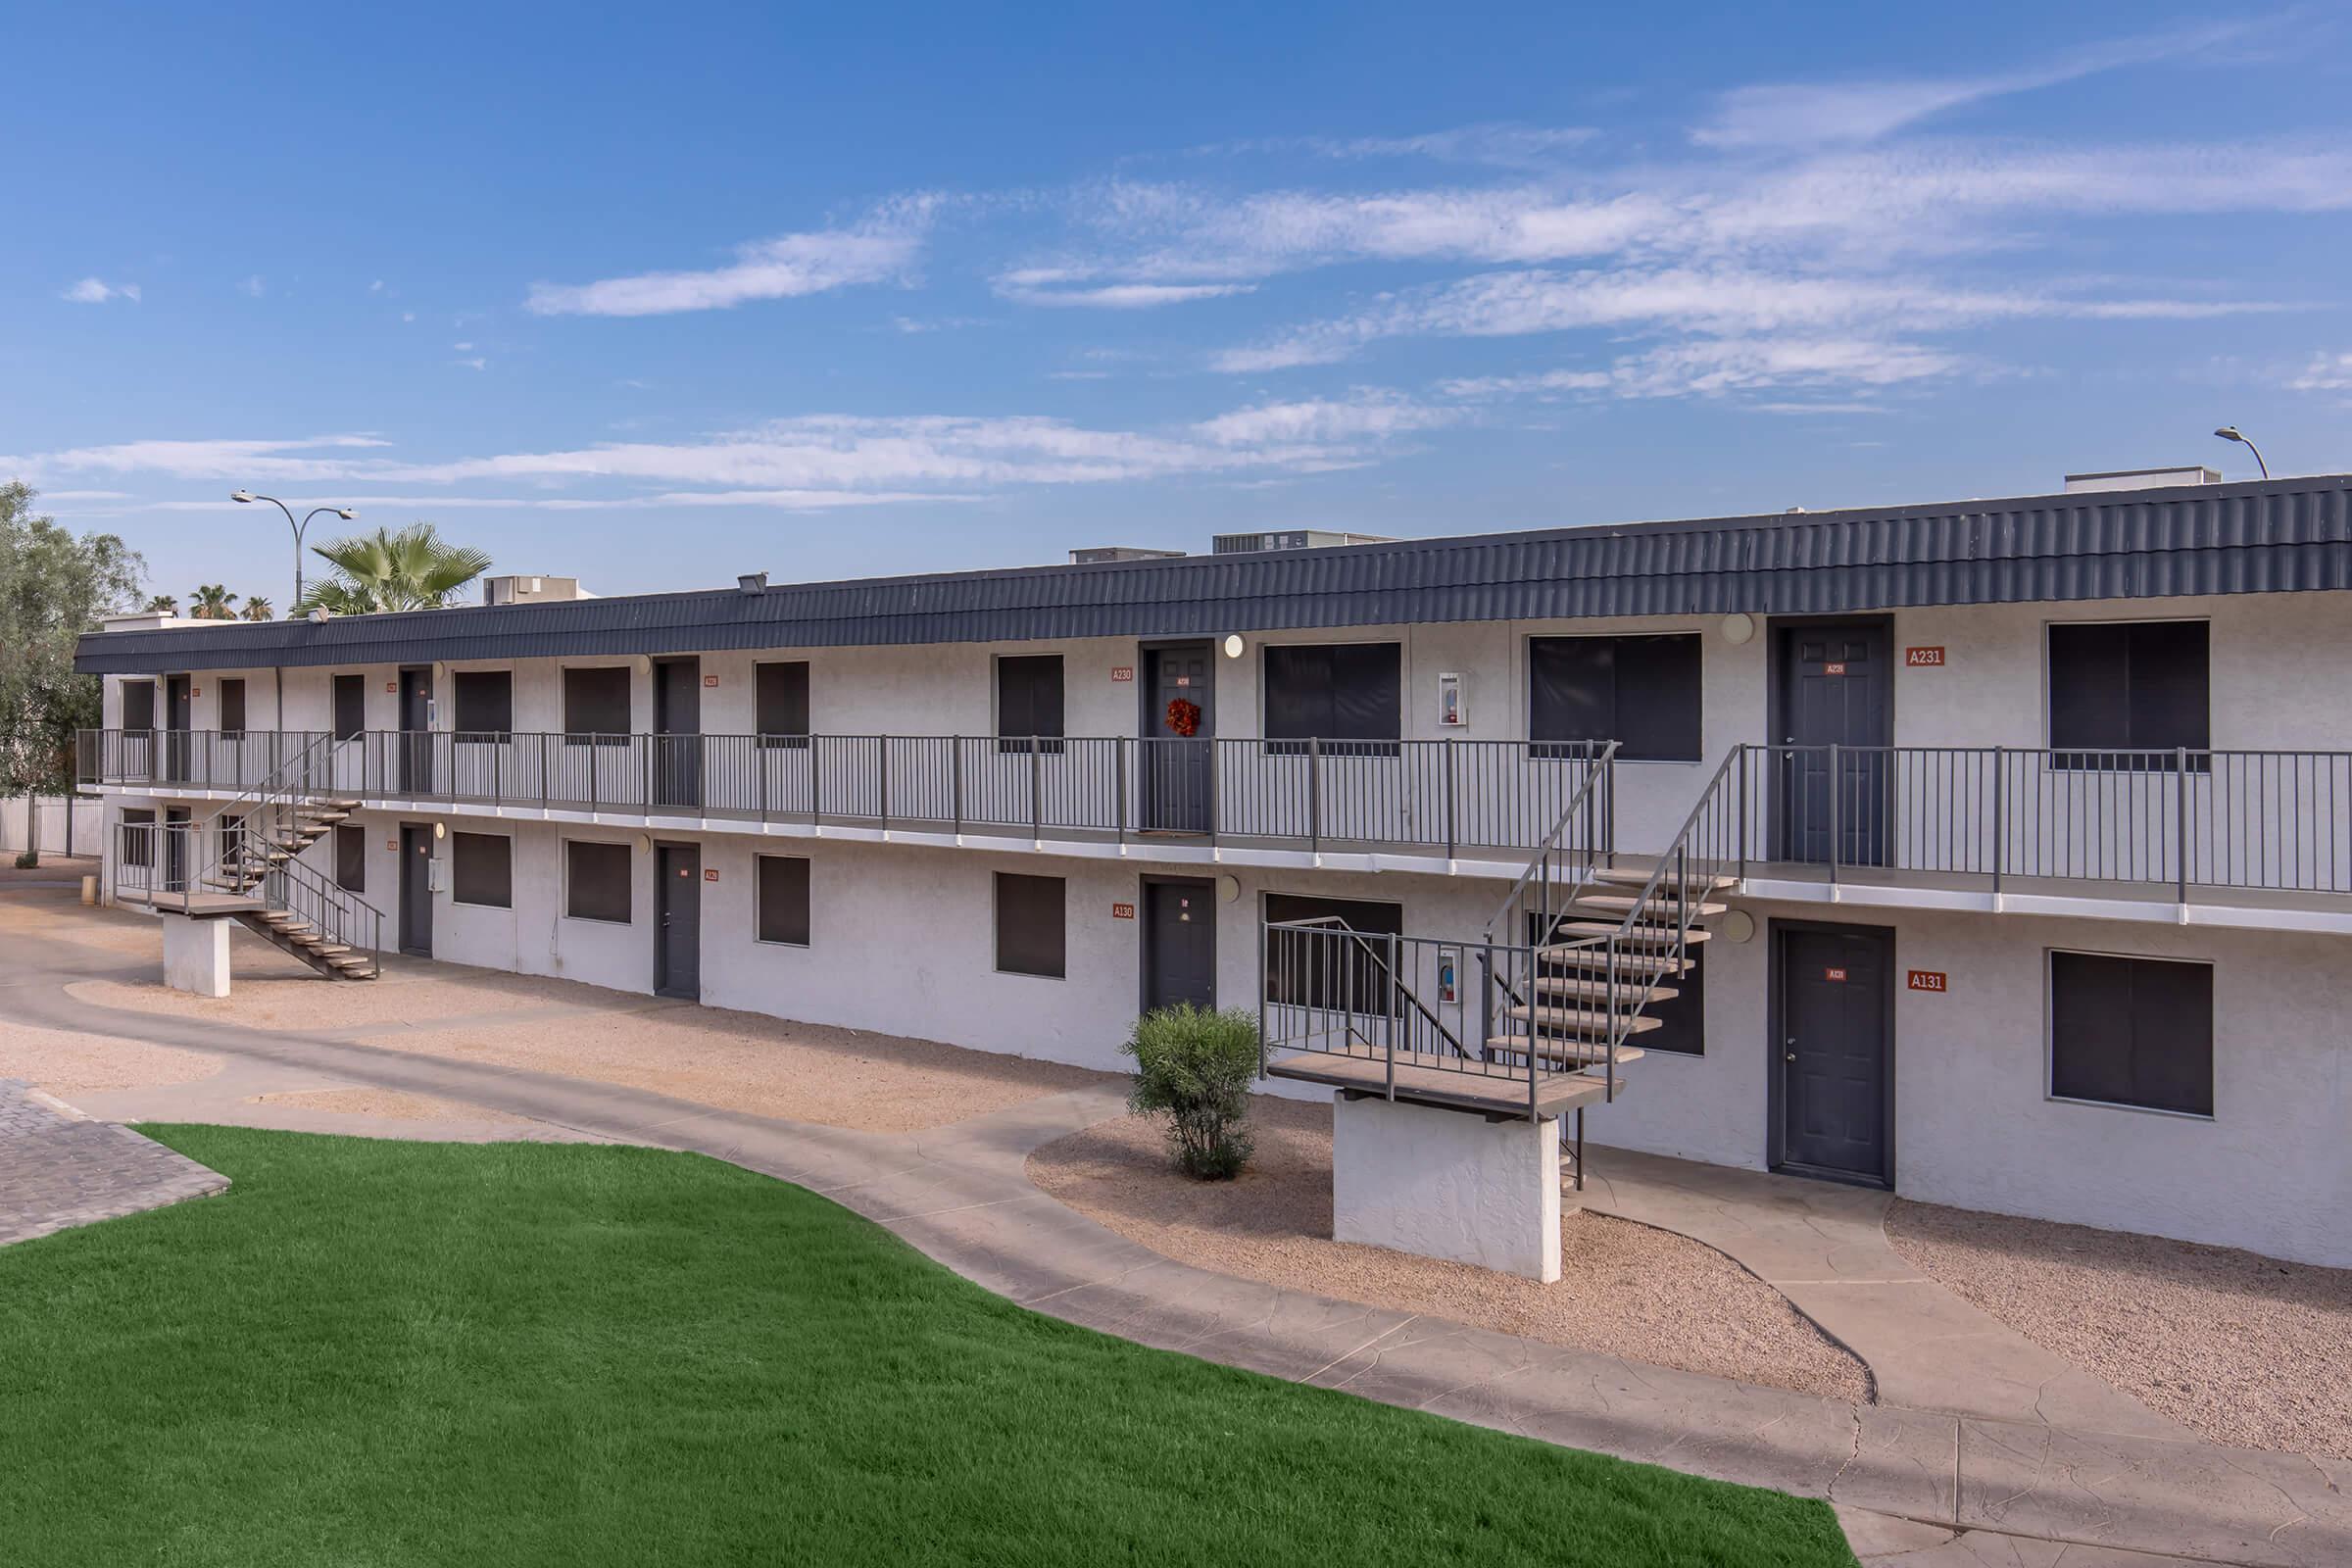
[{"x": 2245, "y": 837}]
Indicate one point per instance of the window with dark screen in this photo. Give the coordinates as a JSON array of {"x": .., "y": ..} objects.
[
  {"x": 2128, "y": 1031},
  {"x": 1033, "y": 925},
  {"x": 2127, "y": 687},
  {"x": 485, "y": 705},
  {"x": 1029, "y": 701},
  {"x": 351, "y": 857},
  {"x": 1641, "y": 692},
  {"x": 1350, "y": 696},
  {"x": 780, "y": 702},
  {"x": 596, "y": 706},
  {"x": 596, "y": 880},
  {"x": 351, "y": 706},
  {"x": 482, "y": 869},
  {"x": 784, "y": 900}
]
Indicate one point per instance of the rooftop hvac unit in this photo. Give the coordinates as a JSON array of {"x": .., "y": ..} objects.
[{"x": 1252, "y": 544}]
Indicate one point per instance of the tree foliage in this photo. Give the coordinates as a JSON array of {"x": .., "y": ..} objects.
[
  {"x": 213, "y": 600},
  {"x": 258, "y": 609},
  {"x": 54, "y": 585},
  {"x": 411, "y": 569}
]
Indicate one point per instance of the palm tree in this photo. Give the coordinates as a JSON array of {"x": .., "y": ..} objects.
[
  {"x": 163, "y": 605},
  {"x": 258, "y": 609},
  {"x": 213, "y": 602},
  {"x": 414, "y": 568}
]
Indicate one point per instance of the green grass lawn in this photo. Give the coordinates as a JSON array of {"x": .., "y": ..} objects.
[{"x": 381, "y": 1353}]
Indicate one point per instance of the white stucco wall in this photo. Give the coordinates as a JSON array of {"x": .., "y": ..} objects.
[{"x": 1975, "y": 1125}]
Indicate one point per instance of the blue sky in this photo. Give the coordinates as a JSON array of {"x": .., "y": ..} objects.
[{"x": 660, "y": 295}]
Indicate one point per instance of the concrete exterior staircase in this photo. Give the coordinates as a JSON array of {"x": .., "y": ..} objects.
[{"x": 304, "y": 914}]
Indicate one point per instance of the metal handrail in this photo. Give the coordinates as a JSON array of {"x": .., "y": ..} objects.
[
  {"x": 1603, "y": 765},
  {"x": 1396, "y": 981},
  {"x": 1676, "y": 859}
]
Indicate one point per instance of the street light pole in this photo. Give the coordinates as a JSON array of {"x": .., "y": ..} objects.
[
  {"x": 347, "y": 514},
  {"x": 2228, "y": 432}
]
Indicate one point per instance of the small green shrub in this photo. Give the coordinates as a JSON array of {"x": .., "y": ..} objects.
[
  {"x": 29, "y": 861},
  {"x": 1194, "y": 1067}
]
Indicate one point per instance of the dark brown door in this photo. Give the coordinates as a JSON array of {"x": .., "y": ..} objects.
[
  {"x": 416, "y": 730},
  {"x": 180, "y": 708},
  {"x": 1180, "y": 943},
  {"x": 677, "y": 761},
  {"x": 678, "y": 922},
  {"x": 1832, "y": 771},
  {"x": 1834, "y": 1013},
  {"x": 137, "y": 760},
  {"x": 416, "y": 890},
  {"x": 1178, "y": 771}
]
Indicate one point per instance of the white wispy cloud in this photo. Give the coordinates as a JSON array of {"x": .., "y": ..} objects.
[
  {"x": 1121, "y": 296},
  {"x": 1711, "y": 368},
  {"x": 298, "y": 458},
  {"x": 1504, "y": 143},
  {"x": 802, "y": 461},
  {"x": 881, "y": 247},
  {"x": 1809, "y": 113},
  {"x": 1713, "y": 301},
  {"x": 254, "y": 286},
  {"x": 97, "y": 291},
  {"x": 1324, "y": 422},
  {"x": 2327, "y": 372}
]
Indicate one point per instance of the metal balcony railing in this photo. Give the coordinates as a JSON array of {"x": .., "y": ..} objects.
[
  {"x": 1441, "y": 798},
  {"x": 1995, "y": 817}
]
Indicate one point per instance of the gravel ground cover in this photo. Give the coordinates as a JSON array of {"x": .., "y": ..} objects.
[
  {"x": 1625, "y": 1289},
  {"x": 67, "y": 1063},
  {"x": 2241, "y": 1348},
  {"x": 269, "y": 990},
  {"x": 768, "y": 1066}
]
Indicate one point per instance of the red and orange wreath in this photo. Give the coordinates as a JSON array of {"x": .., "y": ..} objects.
[{"x": 1184, "y": 716}]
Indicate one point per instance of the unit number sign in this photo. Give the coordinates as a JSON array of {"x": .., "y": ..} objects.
[
  {"x": 1924, "y": 658},
  {"x": 1122, "y": 912},
  {"x": 1927, "y": 980}
]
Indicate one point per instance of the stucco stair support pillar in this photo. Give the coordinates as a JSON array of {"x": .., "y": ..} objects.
[
  {"x": 196, "y": 955},
  {"x": 1447, "y": 1184}
]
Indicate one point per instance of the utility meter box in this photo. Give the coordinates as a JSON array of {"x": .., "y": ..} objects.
[
  {"x": 436, "y": 874},
  {"x": 1453, "y": 703}
]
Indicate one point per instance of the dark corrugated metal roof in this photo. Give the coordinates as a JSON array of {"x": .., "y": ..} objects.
[{"x": 2271, "y": 536}]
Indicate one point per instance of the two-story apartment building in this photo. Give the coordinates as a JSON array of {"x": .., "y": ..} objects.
[{"x": 2030, "y": 820}]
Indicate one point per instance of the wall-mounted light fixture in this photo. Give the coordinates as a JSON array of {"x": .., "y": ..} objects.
[
  {"x": 440, "y": 831},
  {"x": 1738, "y": 628},
  {"x": 1234, "y": 645}
]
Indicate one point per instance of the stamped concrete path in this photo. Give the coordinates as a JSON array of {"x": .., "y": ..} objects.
[
  {"x": 59, "y": 1168},
  {"x": 1920, "y": 1486}
]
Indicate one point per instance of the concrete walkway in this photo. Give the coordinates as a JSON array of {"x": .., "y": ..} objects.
[
  {"x": 1825, "y": 1247},
  {"x": 1924, "y": 1486}
]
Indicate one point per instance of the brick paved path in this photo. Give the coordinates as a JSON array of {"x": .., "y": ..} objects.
[{"x": 58, "y": 1171}]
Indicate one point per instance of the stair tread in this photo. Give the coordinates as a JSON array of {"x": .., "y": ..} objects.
[
  {"x": 1596, "y": 959},
  {"x": 1581, "y": 1019},
  {"x": 1626, "y": 990},
  {"x": 1642, "y": 936},
  {"x": 1623, "y": 903},
  {"x": 1640, "y": 879},
  {"x": 1562, "y": 1049}
]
